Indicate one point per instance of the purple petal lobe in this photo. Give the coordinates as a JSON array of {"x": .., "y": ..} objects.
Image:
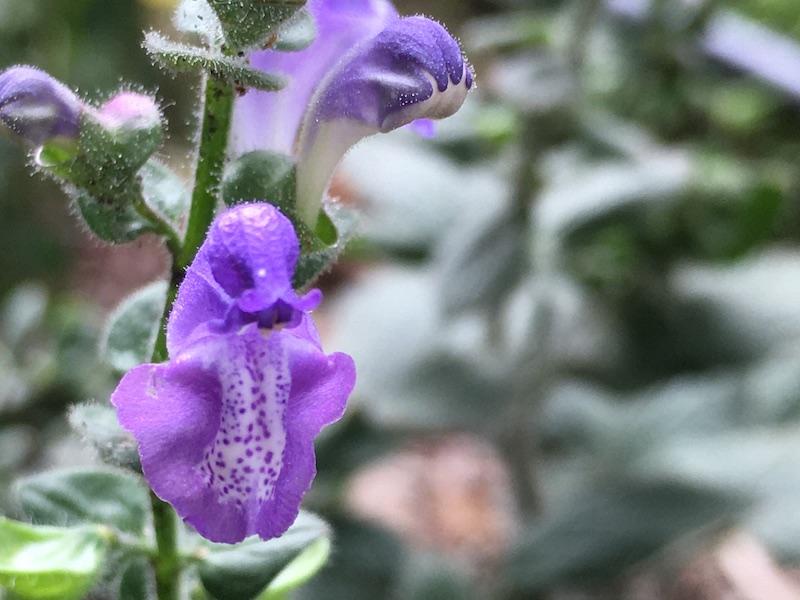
[
  {"x": 38, "y": 107},
  {"x": 267, "y": 121},
  {"x": 226, "y": 430},
  {"x": 413, "y": 69},
  {"x": 242, "y": 274}
]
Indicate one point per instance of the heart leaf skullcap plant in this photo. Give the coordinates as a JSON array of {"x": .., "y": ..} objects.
[
  {"x": 226, "y": 428},
  {"x": 369, "y": 71}
]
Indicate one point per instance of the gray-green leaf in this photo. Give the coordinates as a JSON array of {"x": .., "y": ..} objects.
[
  {"x": 133, "y": 327},
  {"x": 98, "y": 425},
  {"x": 78, "y": 497}
]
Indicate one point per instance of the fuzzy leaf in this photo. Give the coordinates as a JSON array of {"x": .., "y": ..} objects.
[
  {"x": 166, "y": 193},
  {"x": 249, "y": 23},
  {"x": 98, "y": 425},
  {"x": 79, "y": 497},
  {"x": 132, "y": 329},
  {"x": 183, "y": 58}
]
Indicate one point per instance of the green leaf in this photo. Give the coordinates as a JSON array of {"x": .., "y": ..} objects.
[
  {"x": 248, "y": 23},
  {"x": 299, "y": 571},
  {"x": 166, "y": 193},
  {"x": 483, "y": 260},
  {"x": 183, "y": 58},
  {"x": 247, "y": 569},
  {"x": 298, "y": 33},
  {"x": 344, "y": 223},
  {"x": 111, "y": 220},
  {"x": 77, "y": 497},
  {"x": 599, "y": 534},
  {"x": 580, "y": 196},
  {"x": 261, "y": 176},
  {"x": 98, "y": 425},
  {"x": 49, "y": 563},
  {"x": 132, "y": 328}
]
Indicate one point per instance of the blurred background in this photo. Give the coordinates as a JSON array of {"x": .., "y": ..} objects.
[{"x": 575, "y": 311}]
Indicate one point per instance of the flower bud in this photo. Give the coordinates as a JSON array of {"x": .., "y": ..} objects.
[
  {"x": 38, "y": 107},
  {"x": 122, "y": 134},
  {"x": 129, "y": 110}
]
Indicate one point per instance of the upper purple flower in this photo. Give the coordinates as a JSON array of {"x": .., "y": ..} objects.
[
  {"x": 38, "y": 107},
  {"x": 368, "y": 71},
  {"x": 226, "y": 428}
]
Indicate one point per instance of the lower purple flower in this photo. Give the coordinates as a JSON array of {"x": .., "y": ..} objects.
[{"x": 226, "y": 428}]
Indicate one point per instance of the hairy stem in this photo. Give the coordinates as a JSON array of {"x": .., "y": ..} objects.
[
  {"x": 210, "y": 164},
  {"x": 162, "y": 228},
  {"x": 217, "y": 112},
  {"x": 166, "y": 564}
]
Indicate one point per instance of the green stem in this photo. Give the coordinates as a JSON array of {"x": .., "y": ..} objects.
[
  {"x": 210, "y": 165},
  {"x": 166, "y": 564},
  {"x": 162, "y": 228},
  {"x": 211, "y": 155}
]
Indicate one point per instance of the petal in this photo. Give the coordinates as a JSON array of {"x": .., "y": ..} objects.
[
  {"x": 268, "y": 121},
  {"x": 320, "y": 387},
  {"x": 226, "y": 430},
  {"x": 200, "y": 306},
  {"x": 414, "y": 69},
  {"x": 36, "y": 106},
  {"x": 242, "y": 274}
]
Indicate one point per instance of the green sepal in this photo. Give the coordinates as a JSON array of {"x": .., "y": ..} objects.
[
  {"x": 103, "y": 178},
  {"x": 84, "y": 497},
  {"x": 250, "y": 23},
  {"x": 132, "y": 329},
  {"x": 49, "y": 563},
  {"x": 249, "y": 569},
  {"x": 108, "y": 159},
  {"x": 298, "y": 33},
  {"x": 183, "y": 58},
  {"x": 337, "y": 223},
  {"x": 261, "y": 176},
  {"x": 97, "y": 424}
]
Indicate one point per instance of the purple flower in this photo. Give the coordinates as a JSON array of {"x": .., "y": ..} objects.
[
  {"x": 38, "y": 107},
  {"x": 369, "y": 71},
  {"x": 226, "y": 428}
]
